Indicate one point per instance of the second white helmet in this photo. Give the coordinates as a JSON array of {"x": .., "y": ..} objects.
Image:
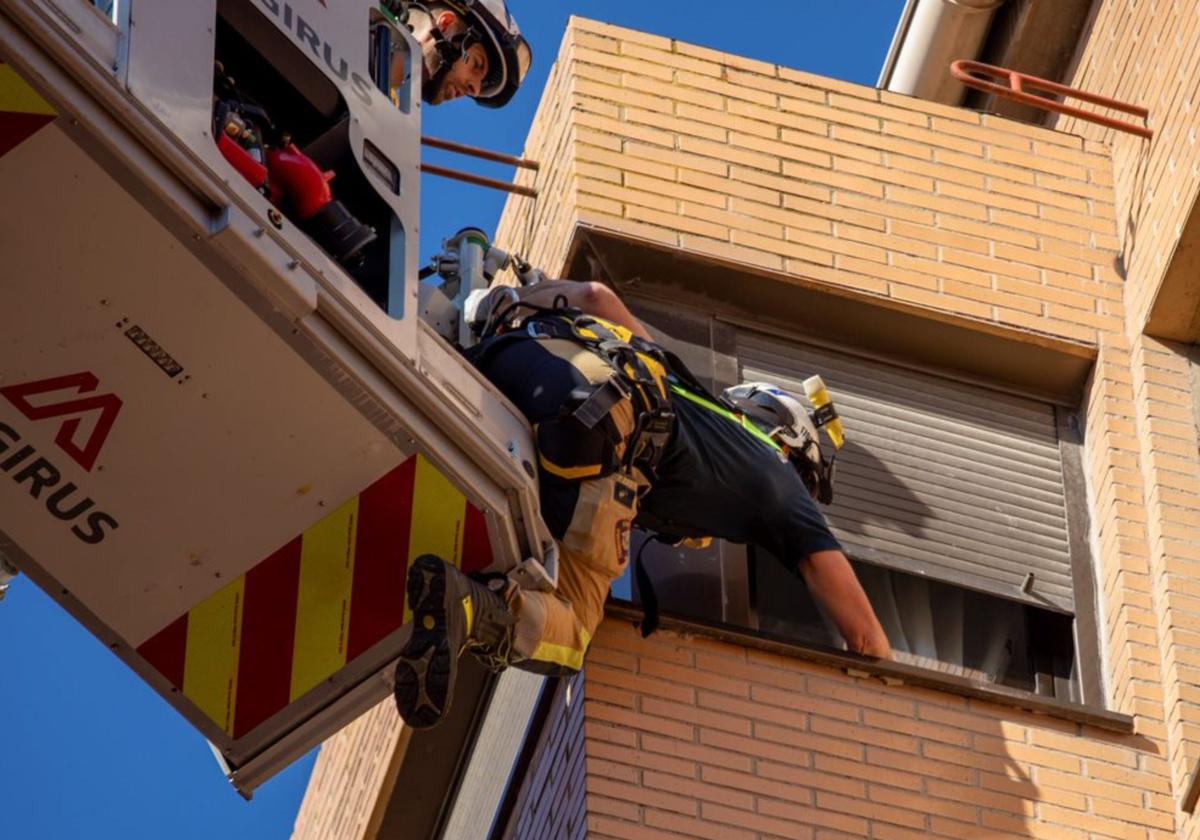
[
  {"x": 785, "y": 419},
  {"x": 781, "y": 415}
]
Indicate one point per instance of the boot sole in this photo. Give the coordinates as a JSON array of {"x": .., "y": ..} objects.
[{"x": 426, "y": 670}]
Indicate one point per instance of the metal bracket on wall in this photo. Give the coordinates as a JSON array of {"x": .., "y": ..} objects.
[{"x": 1018, "y": 87}]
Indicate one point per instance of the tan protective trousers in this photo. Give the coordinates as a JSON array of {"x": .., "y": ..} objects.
[{"x": 553, "y": 629}]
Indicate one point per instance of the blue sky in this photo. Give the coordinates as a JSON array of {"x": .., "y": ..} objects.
[{"x": 86, "y": 750}]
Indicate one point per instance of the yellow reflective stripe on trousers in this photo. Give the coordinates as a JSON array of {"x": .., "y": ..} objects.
[
  {"x": 728, "y": 415},
  {"x": 570, "y": 473},
  {"x": 568, "y": 657},
  {"x": 469, "y": 610}
]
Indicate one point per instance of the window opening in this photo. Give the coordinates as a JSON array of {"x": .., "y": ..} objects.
[
  {"x": 909, "y": 498},
  {"x": 953, "y": 481},
  {"x": 931, "y": 624},
  {"x": 950, "y": 500}
]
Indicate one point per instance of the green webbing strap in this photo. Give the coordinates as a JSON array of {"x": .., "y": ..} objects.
[{"x": 728, "y": 415}]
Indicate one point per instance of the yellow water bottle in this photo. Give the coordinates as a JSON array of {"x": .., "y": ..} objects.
[{"x": 825, "y": 415}]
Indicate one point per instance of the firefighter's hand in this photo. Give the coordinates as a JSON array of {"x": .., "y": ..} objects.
[
  {"x": 831, "y": 580},
  {"x": 879, "y": 648}
]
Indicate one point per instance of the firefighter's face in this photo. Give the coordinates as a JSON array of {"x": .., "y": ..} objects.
[{"x": 465, "y": 77}]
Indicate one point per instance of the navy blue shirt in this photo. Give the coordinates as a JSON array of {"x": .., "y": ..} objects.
[{"x": 716, "y": 479}]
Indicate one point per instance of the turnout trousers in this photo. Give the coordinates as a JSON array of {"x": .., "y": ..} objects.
[{"x": 588, "y": 503}]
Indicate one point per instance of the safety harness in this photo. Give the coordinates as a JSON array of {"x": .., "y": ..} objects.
[
  {"x": 639, "y": 373},
  {"x": 741, "y": 419}
]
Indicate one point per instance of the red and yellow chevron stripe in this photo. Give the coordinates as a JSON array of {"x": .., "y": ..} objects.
[
  {"x": 22, "y": 110},
  {"x": 318, "y": 602}
]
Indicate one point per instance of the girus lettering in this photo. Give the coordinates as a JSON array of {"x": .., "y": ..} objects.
[
  {"x": 304, "y": 32},
  {"x": 44, "y": 481}
]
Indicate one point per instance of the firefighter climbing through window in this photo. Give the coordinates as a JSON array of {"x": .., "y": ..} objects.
[{"x": 625, "y": 434}]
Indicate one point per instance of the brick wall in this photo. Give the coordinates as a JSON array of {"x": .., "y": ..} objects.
[
  {"x": 344, "y": 791},
  {"x": 1002, "y": 227},
  {"x": 551, "y": 803},
  {"x": 1167, "y": 432},
  {"x": 956, "y": 215},
  {"x": 696, "y": 738},
  {"x": 1146, "y": 53},
  {"x": 823, "y": 181}
]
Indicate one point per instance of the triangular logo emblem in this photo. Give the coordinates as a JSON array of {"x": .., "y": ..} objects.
[{"x": 75, "y": 408}]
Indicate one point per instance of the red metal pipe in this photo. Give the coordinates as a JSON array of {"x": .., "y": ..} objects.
[{"x": 1017, "y": 87}]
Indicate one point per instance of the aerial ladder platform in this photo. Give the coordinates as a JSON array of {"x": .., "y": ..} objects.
[{"x": 219, "y": 448}]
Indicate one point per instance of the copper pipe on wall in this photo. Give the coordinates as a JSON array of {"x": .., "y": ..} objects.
[
  {"x": 478, "y": 180},
  {"x": 475, "y": 151}
]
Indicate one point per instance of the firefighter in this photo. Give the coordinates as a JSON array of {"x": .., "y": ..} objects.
[
  {"x": 624, "y": 435},
  {"x": 470, "y": 49}
]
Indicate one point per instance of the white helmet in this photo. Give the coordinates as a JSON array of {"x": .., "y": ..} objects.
[
  {"x": 490, "y": 24},
  {"x": 781, "y": 414},
  {"x": 788, "y": 422}
]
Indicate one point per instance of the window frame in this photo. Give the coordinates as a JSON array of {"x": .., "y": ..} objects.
[{"x": 719, "y": 328}]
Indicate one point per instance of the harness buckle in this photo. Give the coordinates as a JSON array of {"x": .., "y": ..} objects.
[
  {"x": 536, "y": 329},
  {"x": 600, "y": 402}
]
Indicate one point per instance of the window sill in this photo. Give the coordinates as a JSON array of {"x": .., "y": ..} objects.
[{"x": 892, "y": 673}]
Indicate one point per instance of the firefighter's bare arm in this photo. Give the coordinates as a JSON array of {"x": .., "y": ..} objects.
[
  {"x": 832, "y": 581},
  {"x": 593, "y": 298}
]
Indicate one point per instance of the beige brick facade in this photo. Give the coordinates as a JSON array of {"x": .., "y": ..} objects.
[
  {"x": 1146, "y": 53},
  {"x": 1052, "y": 240},
  {"x": 959, "y": 216},
  {"x": 352, "y": 770},
  {"x": 902, "y": 199},
  {"x": 712, "y": 739}
]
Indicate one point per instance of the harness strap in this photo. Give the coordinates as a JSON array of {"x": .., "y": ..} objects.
[
  {"x": 740, "y": 419},
  {"x": 639, "y": 373},
  {"x": 601, "y": 401},
  {"x": 645, "y": 588}
]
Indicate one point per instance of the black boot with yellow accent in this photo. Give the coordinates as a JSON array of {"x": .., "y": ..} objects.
[{"x": 451, "y": 612}]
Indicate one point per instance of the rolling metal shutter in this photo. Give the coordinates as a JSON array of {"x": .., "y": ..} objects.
[{"x": 938, "y": 478}]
